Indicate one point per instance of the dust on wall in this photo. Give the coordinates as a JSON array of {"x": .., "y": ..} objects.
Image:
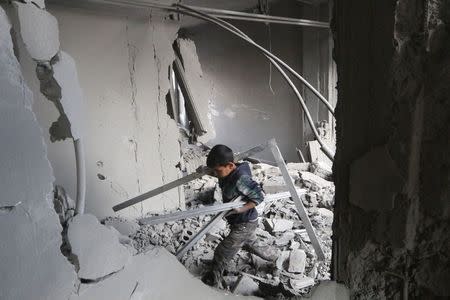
[
  {"x": 131, "y": 143},
  {"x": 392, "y": 141}
]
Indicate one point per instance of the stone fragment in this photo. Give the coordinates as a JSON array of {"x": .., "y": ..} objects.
[
  {"x": 299, "y": 167},
  {"x": 314, "y": 180},
  {"x": 155, "y": 274},
  {"x": 274, "y": 185},
  {"x": 279, "y": 225},
  {"x": 39, "y": 31},
  {"x": 97, "y": 247},
  {"x": 246, "y": 286},
  {"x": 298, "y": 284},
  {"x": 297, "y": 261},
  {"x": 285, "y": 239},
  {"x": 281, "y": 262}
]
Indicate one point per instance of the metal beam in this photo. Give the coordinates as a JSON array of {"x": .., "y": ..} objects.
[
  {"x": 198, "y": 174},
  {"x": 297, "y": 201},
  {"x": 190, "y": 103},
  {"x": 182, "y": 251},
  {"x": 220, "y": 13},
  {"x": 179, "y": 215}
]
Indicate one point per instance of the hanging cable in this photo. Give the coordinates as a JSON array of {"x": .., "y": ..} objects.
[{"x": 274, "y": 60}]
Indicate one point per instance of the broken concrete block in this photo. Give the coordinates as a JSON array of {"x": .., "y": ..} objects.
[
  {"x": 285, "y": 239},
  {"x": 281, "y": 262},
  {"x": 299, "y": 167},
  {"x": 155, "y": 274},
  {"x": 325, "y": 213},
  {"x": 321, "y": 169},
  {"x": 312, "y": 179},
  {"x": 39, "y": 31},
  {"x": 279, "y": 225},
  {"x": 274, "y": 185},
  {"x": 298, "y": 284},
  {"x": 65, "y": 74},
  {"x": 297, "y": 261},
  {"x": 97, "y": 248},
  {"x": 125, "y": 226},
  {"x": 245, "y": 286}
]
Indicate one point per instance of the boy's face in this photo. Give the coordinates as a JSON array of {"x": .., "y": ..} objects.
[{"x": 224, "y": 171}]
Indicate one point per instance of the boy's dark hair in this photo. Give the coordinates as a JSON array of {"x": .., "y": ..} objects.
[{"x": 219, "y": 155}]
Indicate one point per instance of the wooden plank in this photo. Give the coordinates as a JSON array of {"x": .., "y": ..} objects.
[
  {"x": 202, "y": 232},
  {"x": 298, "y": 203},
  {"x": 179, "y": 215}
]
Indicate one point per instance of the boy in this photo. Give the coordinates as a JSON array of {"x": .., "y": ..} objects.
[{"x": 235, "y": 180}]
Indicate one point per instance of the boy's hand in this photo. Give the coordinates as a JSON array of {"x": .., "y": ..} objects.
[{"x": 239, "y": 210}]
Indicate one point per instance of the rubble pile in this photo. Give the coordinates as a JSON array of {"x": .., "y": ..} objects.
[{"x": 297, "y": 267}]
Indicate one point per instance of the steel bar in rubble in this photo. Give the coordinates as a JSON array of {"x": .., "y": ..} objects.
[
  {"x": 179, "y": 215},
  {"x": 183, "y": 180},
  {"x": 182, "y": 251},
  {"x": 298, "y": 203}
]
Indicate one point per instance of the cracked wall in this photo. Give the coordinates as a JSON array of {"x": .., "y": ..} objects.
[
  {"x": 392, "y": 163},
  {"x": 30, "y": 231},
  {"x": 131, "y": 143}
]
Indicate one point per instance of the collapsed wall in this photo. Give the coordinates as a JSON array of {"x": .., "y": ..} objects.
[{"x": 392, "y": 164}]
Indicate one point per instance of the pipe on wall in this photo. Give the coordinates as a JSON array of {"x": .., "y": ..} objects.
[{"x": 81, "y": 176}]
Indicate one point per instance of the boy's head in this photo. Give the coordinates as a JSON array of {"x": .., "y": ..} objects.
[{"x": 221, "y": 160}]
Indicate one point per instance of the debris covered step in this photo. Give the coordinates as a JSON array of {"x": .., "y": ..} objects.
[{"x": 179, "y": 215}]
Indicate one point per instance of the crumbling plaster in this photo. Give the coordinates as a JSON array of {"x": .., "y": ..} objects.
[
  {"x": 393, "y": 94},
  {"x": 30, "y": 231},
  {"x": 131, "y": 143}
]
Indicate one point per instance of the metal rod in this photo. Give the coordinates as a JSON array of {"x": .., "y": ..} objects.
[
  {"x": 190, "y": 103},
  {"x": 180, "y": 215},
  {"x": 159, "y": 190},
  {"x": 224, "y": 14},
  {"x": 182, "y": 251},
  {"x": 227, "y": 26},
  {"x": 198, "y": 174},
  {"x": 297, "y": 201},
  {"x": 300, "y": 155}
]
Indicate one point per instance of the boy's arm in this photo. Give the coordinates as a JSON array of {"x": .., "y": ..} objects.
[{"x": 249, "y": 188}]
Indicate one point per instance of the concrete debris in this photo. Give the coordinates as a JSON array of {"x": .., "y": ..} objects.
[
  {"x": 329, "y": 290},
  {"x": 245, "y": 286},
  {"x": 297, "y": 261},
  {"x": 123, "y": 225},
  {"x": 97, "y": 248},
  {"x": 39, "y": 31},
  {"x": 313, "y": 181},
  {"x": 298, "y": 284},
  {"x": 279, "y": 226},
  {"x": 151, "y": 275},
  {"x": 64, "y": 205}
]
